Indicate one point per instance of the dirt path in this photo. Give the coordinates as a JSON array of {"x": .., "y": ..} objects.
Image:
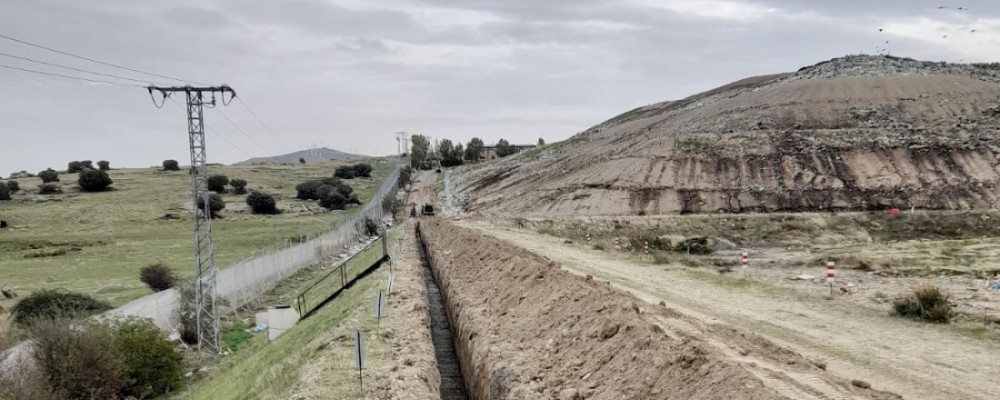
[{"x": 916, "y": 360}]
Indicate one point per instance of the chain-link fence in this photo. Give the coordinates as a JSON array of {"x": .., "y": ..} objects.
[{"x": 248, "y": 280}]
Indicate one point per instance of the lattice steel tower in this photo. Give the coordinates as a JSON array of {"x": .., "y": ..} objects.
[{"x": 206, "y": 308}]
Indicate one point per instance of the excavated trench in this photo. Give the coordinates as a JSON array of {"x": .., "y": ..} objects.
[{"x": 449, "y": 366}]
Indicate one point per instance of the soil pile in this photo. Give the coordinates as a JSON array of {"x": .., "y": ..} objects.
[
  {"x": 853, "y": 133},
  {"x": 526, "y": 329}
]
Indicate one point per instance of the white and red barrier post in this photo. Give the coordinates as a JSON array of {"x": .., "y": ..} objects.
[
  {"x": 831, "y": 274},
  {"x": 744, "y": 263}
]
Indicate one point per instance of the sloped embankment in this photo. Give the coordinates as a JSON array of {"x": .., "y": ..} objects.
[
  {"x": 526, "y": 329},
  {"x": 855, "y": 133}
]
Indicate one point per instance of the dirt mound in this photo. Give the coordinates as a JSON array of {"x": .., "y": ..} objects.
[
  {"x": 854, "y": 133},
  {"x": 526, "y": 329}
]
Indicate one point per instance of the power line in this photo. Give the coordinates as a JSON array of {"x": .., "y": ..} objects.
[
  {"x": 245, "y": 134},
  {"x": 266, "y": 128},
  {"x": 65, "y": 53},
  {"x": 214, "y": 132},
  {"x": 71, "y": 68},
  {"x": 69, "y": 76}
]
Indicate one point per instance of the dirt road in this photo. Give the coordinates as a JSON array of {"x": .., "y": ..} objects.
[{"x": 916, "y": 360}]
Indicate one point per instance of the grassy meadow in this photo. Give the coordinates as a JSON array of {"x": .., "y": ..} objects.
[{"x": 95, "y": 243}]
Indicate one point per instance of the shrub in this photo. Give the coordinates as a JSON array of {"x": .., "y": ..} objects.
[
  {"x": 362, "y": 170},
  {"x": 49, "y": 176},
  {"x": 391, "y": 204},
  {"x": 13, "y": 186},
  {"x": 345, "y": 189},
  {"x": 187, "y": 312},
  {"x": 74, "y": 166},
  {"x": 171, "y": 165},
  {"x": 104, "y": 165},
  {"x": 344, "y": 172},
  {"x": 4, "y": 192},
  {"x": 217, "y": 183},
  {"x": 215, "y": 204},
  {"x": 158, "y": 277},
  {"x": 51, "y": 305},
  {"x": 404, "y": 176},
  {"x": 239, "y": 186},
  {"x": 697, "y": 245},
  {"x": 333, "y": 201},
  {"x": 307, "y": 190},
  {"x": 262, "y": 203},
  {"x": 354, "y": 200},
  {"x": 79, "y": 361},
  {"x": 371, "y": 227},
  {"x": 92, "y": 180},
  {"x": 105, "y": 360},
  {"x": 87, "y": 164},
  {"x": 926, "y": 303},
  {"x": 49, "y": 188},
  {"x": 151, "y": 366},
  {"x": 302, "y": 160}
]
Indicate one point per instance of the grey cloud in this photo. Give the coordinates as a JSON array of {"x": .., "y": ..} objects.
[{"x": 350, "y": 76}]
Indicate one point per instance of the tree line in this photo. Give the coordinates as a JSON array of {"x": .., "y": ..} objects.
[{"x": 424, "y": 153}]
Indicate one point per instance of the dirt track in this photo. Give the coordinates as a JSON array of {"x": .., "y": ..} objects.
[
  {"x": 536, "y": 331},
  {"x": 914, "y": 359}
]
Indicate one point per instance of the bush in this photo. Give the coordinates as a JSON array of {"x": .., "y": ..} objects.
[
  {"x": 104, "y": 165},
  {"x": 187, "y": 312},
  {"x": 13, "y": 186},
  {"x": 158, "y": 277},
  {"x": 391, "y": 204},
  {"x": 362, "y": 170},
  {"x": 106, "y": 360},
  {"x": 49, "y": 188},
  {"x": 926, "y": 303},
  {"x": 215, "y": 204},
  {"x": 52, "y": 305},
  {"x": 302, "y": 160},
  {"x": 344, "y": 172},
  {"x": 239, "y": 186},
  {"x": 307, "y": 190},
  {"x": 74, "y": 166},
  {"x": 78, "y": 361},
  {"x": 49, "y": 176},
  {"x": 4, "y": 192},
  {"x": 371, "y": 227},
  {"x": 697, "y": 245},
  {"x": 345, "y": 189},
  {"x": 333, "y": 201},
  {"x": 217, "y": 183},
  {"x": 151, "y": 366},
  {"x": 404, "y": 176},
  {"x": 87, "y": 164},
  {"x": 171, "y": 165},
  {"x": 262, "y": 203},
  {"x": 92, "y": 180}
]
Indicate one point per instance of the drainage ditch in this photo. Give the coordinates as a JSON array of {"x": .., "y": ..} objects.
[{"x": 452, "y": 382}]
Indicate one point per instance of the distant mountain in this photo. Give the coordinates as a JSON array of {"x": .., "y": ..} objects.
[{"x": 310, "y": 155}]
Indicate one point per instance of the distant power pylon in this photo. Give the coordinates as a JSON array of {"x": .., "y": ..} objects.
[
  {"x": 401, "y": 138},
  {"x": 207, "y": 314}
]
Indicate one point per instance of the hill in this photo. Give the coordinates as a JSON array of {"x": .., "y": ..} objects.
[
  {"x": 310, "y": 155},
  {"x": 852, "y": 133}
]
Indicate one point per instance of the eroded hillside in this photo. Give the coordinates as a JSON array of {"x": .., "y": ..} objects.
[{"x": 854, "y": 133}]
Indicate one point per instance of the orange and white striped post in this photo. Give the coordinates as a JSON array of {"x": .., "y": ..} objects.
[{"x": 831, "y": 274}]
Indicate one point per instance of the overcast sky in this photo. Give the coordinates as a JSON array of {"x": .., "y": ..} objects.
[{"x": 349, "y": 73}]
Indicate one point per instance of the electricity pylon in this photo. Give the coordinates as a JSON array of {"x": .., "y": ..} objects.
[{"x": 206, "y": 309}]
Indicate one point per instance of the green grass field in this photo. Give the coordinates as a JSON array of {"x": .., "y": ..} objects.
[
  {"x": 313, "y": 359},
  {"x": 95, "y": 243}
]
